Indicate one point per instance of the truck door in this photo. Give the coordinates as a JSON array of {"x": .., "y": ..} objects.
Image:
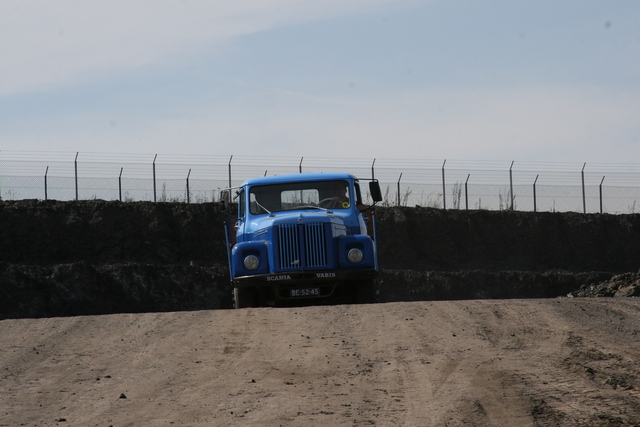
[{"x": 242, "y": 212}]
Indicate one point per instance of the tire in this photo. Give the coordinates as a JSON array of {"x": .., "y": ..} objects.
[
  {"x": 245, "y": 297},
  {"x": 367, "y": 292}
]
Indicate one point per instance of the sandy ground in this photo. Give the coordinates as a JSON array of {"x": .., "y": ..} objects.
[{"x": 564, "y": 362}]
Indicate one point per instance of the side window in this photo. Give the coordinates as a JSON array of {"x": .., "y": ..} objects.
[
  {"x": 241, "y": 204},
  {"x": 253, "y": 206},
  {"x": 358, "y": 195}
]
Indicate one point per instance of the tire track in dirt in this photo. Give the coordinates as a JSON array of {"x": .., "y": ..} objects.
[{"x": 562, "y": 362}]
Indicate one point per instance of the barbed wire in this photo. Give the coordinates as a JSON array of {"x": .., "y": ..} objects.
[{"x": 442, "y": 183}]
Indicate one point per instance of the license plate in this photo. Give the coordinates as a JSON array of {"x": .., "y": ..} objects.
[{"x": 306, "y": 292}]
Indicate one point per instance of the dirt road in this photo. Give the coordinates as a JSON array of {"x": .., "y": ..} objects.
[{"x": 554, "y": 362}]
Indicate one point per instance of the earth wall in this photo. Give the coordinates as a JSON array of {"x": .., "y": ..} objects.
[{"x": 98, "y": 257}]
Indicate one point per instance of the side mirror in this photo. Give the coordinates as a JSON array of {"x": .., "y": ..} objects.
[
  {"x": 224, "y": 199},
  {"x": 374, "y": 189}
]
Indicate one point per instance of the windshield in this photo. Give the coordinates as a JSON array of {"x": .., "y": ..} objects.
[{"x": 299, "y": 195}]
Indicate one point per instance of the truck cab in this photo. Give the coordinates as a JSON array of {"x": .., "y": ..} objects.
[{"x": 303, "y": 239}]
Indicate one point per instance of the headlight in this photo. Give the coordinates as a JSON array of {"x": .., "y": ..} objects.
[
  {"x": 251, "y": 262},
  {"x": 354, "y": 255}
]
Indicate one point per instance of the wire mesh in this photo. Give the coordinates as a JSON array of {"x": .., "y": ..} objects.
[{"x": 439, "y": 183}]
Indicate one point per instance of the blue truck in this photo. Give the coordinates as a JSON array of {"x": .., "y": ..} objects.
[{"x": 302, "y": 239}]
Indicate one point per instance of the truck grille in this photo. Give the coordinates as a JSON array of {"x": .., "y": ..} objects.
[{"x": 295, "y": 240}]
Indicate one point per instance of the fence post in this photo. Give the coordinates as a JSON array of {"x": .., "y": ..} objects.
[
  {"x": 75, "y": 166},
  {"x": 601, "y": 194},
  {"x": 188, "y": 197},
  {"x": 399, "y": 188},
  {"x": 300, "y": 165},
  {"x": 584, "y": 193},
  {"x": 46, "y": 197},
  {"x": 229, "y": 195},
  {"x": 120, "y": 184},
  {"x": 534, "y": 194},
  {"x": 511, "y": 183},
  {"x": 466, "y": 193},
  {"x": 444, "y": 188},
  {"x": 154, "y": 178}
]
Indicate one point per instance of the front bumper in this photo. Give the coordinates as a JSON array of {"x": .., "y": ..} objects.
[
  {"x": 304, "y": 278},
  {"x": 293, "y": 287}
]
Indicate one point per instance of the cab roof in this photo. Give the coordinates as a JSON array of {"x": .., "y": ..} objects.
[{"x": 298, "y": 177}]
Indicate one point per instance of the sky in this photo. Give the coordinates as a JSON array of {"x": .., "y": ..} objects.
[{"x": 531, "y": 80}]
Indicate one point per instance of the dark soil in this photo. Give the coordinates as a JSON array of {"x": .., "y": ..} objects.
[{"x": 98, "y": 257}]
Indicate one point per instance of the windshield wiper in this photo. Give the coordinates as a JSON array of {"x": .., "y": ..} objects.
[
  {"x": 314, "y": 207},
  {"x": 263, "y": 208}
]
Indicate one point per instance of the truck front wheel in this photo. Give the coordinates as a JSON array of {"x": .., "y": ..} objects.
[
  {"x": 246, "y": 297},
  {"x": 367, "y": 292}
]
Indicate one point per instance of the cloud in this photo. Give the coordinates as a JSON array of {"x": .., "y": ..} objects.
[
  {"x": 46, "y": 44},
  {"x": 522, "y": 124},
  {"x": 543, "y": 123},
  {"x": 103, "y": 76}
]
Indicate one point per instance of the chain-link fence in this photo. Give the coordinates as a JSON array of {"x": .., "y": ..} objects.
[{"x": 449, "y": 184}]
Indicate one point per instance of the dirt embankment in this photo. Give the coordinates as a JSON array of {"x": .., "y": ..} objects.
[
  {"x": 98, "y": 257},
  {"x": 537, "y": 363},
  {"x": 560, "y": 362}
]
